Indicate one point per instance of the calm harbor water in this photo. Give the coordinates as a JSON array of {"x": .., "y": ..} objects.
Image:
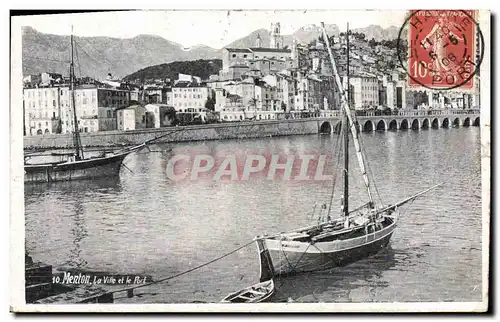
[{"x": 144, "y": 223}]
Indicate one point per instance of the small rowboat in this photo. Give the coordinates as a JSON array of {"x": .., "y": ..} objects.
[{"x": 256, "y": 293}]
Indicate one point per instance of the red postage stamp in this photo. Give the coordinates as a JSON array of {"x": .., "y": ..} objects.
[{"x": 443, "y": 49}]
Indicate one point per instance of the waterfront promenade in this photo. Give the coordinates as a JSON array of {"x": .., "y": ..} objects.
[{"x": 286, "y": 124}]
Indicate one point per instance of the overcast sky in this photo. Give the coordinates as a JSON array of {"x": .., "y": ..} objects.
[{"x": 214, "y": 28}]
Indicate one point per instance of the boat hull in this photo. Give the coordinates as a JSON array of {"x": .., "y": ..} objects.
[
  {"x": 291, "y": 257},
  {"x": 67, "y": 171},
  {"x": 239, "y": 297}
]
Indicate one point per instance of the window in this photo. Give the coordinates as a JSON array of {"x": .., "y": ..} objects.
[
  {"x": 234, "y": 55},
  {"x": 109, "y": 114},
  {"x": 245, "y": 56}
]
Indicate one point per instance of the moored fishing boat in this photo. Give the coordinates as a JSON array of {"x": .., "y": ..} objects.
[
  {"x": 75, "y": 165},
  {"x": 334, "y": 242},
  {"x": 107, "y": 164}
]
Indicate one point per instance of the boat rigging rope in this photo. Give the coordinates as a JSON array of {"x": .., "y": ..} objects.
[
  {"x": 370, "y": 171},
  {"x": 335, "y": 167},
  {"x": 292, "y": 267},
  {"x": 185, "y": 272}
]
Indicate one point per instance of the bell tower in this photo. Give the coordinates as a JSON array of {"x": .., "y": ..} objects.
[
  {"x": 258, "y": 42},
  {"x": 276, "y": 40}
]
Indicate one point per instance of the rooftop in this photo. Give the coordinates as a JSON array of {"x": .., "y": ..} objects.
[
  {"x": 277, "y": 50},
  {"x": 238, "y": 50}
]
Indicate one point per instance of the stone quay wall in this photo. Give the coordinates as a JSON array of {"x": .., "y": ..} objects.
[{"x": 240, "y": 130}]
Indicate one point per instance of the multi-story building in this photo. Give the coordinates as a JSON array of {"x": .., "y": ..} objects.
[
  {"x": 132, "y": 118},
  {"x": 250, "y": 56},
  {"x": 154, "y": 94},
  {"x": 244, "y": 89},
  {"x": 49, "y": 110},
  {"x": 42, "y": 109},
  {"x": 365, "y": 91},
  {"x": 190, "y": 98}
]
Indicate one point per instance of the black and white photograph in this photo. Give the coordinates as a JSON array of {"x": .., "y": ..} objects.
[{"x": 262, "y": 160}]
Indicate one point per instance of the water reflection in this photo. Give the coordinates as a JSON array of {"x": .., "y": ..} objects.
[
  {"x": 144, "y": 222},
  {"x": 77, "y": 187},
  {"x": 79, "y": 232},
  {"x": 339, "y": 282}
]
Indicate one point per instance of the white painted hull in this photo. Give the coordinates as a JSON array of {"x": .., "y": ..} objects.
[{"x": 288, "y": 256}]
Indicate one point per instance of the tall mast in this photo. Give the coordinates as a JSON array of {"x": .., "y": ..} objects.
[
  {"x": 76, "y": 133},
  {"x": 345, "y": 128},
  {"x": 350, "y": 117}
]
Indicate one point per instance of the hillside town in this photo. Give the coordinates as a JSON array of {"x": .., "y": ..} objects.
[{"x": 269, "y": 81}]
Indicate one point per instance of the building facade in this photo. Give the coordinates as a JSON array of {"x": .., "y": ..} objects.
[
  {"x": 190, "y": 98},
  {"x": 48, "y": 110}
]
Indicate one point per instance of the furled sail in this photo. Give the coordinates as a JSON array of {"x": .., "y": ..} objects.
[{"x": 350, "y": 116}]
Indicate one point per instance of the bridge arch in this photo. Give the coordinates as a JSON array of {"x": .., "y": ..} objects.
[
  {"x": 393, "y": 125},
  {"x": 425, "y": 124},
  {"x": 325, "y": 128},
  {"x": 477, "y": 121},
  {"x": 381, "y": 125},
  {"x": 368, "y": 126},
  {"x": 466, "y": 122},
  {"x": 446, "y": 123},
  {"x": 404, "y": 125},
  {"x": 456, "y": 122},
  {"x": 415, "y": 124},
  {"x": 435, "y": 124}
]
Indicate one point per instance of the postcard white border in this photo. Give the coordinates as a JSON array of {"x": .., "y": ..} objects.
[{"x": 17, "y": 302}]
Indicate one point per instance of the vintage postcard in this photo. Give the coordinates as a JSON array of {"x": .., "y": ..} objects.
[{"x": 250, "y": 160}]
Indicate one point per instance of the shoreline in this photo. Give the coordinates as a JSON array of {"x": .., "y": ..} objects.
[
  {"x": 218, "y": 131},
  {"x": 251, "y": 129}
]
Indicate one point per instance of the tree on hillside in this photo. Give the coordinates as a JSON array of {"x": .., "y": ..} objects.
[
  {"x": 372, "y": 43},
  {"x": 210, "y": 102},
  {"x": 201, "y": 68}
]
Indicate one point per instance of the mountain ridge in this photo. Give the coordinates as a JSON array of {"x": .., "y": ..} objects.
[{"x": 97, "y": 56}]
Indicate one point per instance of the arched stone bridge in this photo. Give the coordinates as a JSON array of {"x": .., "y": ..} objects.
[{"x": 404, "y": 120}]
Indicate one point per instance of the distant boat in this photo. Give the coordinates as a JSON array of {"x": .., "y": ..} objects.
[
  {"x": 256, "y": 293},
  {"x": 107, "y": 164},
  {"x": 356, "y": 234}
]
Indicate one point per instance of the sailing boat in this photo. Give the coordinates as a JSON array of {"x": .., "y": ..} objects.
[
  {"x": 77, "y": 166},
  {"x": 334, "y": 242}
]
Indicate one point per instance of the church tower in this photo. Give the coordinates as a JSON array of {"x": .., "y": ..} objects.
[
  {"x": 276, "y": 40},
  {"x": 258, "y": 42}
]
